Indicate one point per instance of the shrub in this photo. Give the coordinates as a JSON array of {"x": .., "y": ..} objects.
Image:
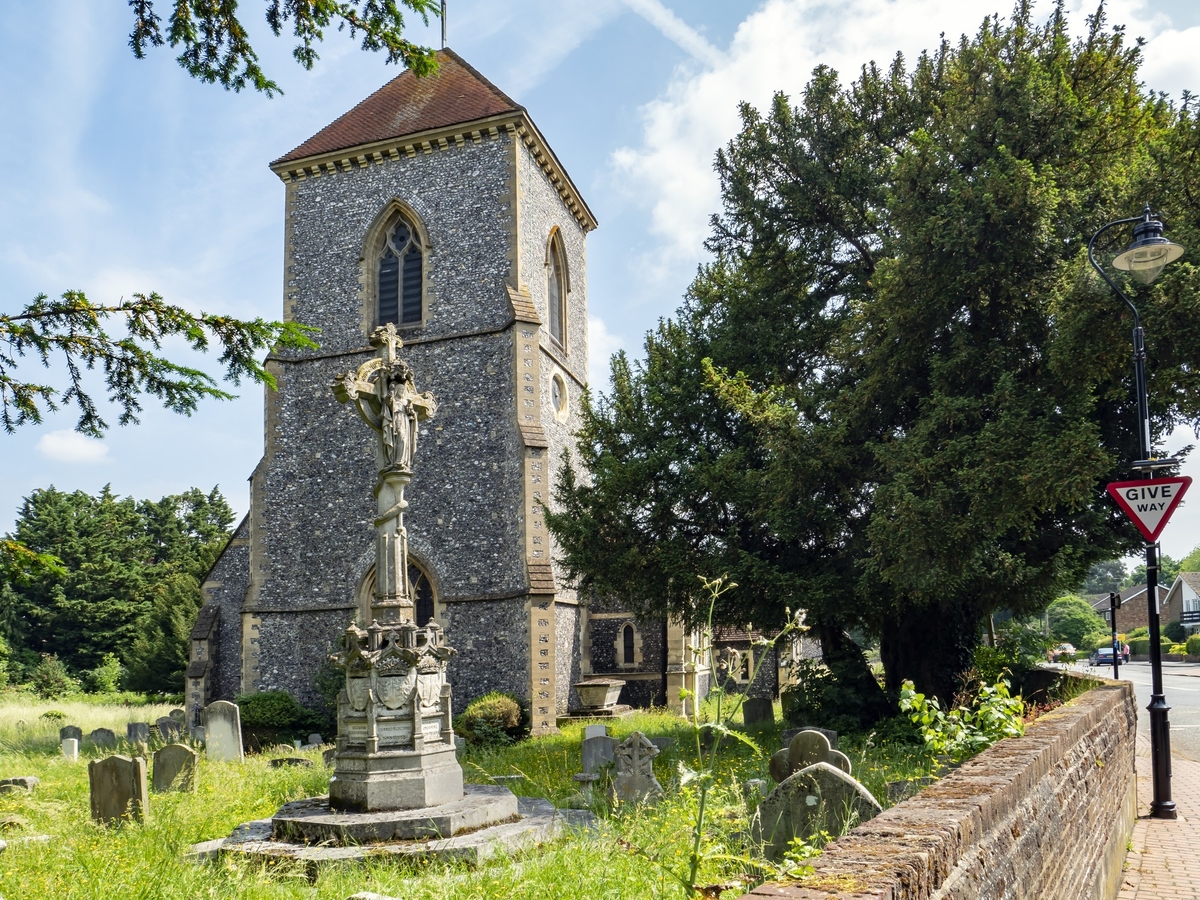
[
  {"x": 1140, "y": 632},
  {"x": 1019, "y": 648},
  {"x": 1178, "y": 649},
  {"x": 493, "y": 720},
  {"x": 1141, "y": 646},
  {"x": 1193, "y": 645},
  {"x": 965, "y": 730},
  {"x": 1175, "y": 631},
  {"x": 105, "y": 678},
  {"x": 54, "y": 715},
  {"x": 50, "y": 678},
  {"x": 1073, "y": 620},
  {"x": 271, "y": 709}
]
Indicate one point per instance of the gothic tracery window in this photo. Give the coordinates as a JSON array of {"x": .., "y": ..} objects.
[
  {"x": 422, "y": 592},
  {"x": 556, "y": 289},
  {"x": 400, "y": 274}
]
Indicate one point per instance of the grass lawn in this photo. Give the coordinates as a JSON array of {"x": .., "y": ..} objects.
[{"x": 145, "y": 862}]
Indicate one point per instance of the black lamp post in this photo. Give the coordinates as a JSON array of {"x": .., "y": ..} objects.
[{"x": 1144, "y": 259}]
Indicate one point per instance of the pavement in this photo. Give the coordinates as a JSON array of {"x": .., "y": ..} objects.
[{"x": 1162, "y": 863}]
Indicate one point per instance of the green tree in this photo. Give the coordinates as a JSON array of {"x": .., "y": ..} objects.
[
  {"x": 870, "y": 405},
  {"x": 1167, "y": 570},
  {"x": 127, "y": 582},
  {"x": 1104, "y": 577},
  {"x": 1072, "y": 619},
  {"x": 215, "y": 47},
  {"x": 1191, "y": 562}
]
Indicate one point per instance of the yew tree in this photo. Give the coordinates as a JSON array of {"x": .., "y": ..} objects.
[{"x": 895, "y": 395}]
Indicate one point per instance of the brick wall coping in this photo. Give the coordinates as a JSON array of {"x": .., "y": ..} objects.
[{"x": 909, "y": 851}]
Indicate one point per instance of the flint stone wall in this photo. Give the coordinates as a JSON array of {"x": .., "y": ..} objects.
[
  {"x": 225, "y": 586},
  {"x": 1047, "y": 815}
]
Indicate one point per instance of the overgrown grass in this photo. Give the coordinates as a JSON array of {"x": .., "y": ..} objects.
[{"x": 629, "y": 855}]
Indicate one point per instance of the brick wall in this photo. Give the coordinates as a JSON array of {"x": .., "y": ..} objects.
[{"x": 1047, "y": 815}]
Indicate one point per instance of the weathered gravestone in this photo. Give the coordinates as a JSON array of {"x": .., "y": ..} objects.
[
  {"x": 138, "y": 732},
  {"x": 595, "y": 731},
  {"x": 23, "y": 784},
  {"x": 663, "y": 743},
  {"x": 70, "y": 749},
  {"x": 118, "y": 786},
  {"x": 70, "y": 731},
  {"x": 817, "y": 798},
  {"x": 314, "y": 739},
  {"x": 103, "y": 737},
  {"x": 169, "y": 729},
  {"x": 598, "y": 751},
  {"x": 829, "y": 733},
  {"x": 807, "y": 748},
  {"x": 635, "y": 781},
  {"x": 223, "y": 731},
  {"x": 178, "y": 715},
  {"x": 758, "y": 709},
  {"x": 175, "y": 767}
]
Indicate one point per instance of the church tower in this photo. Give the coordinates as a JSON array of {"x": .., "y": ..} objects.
[{"x": 437, "y": 205}]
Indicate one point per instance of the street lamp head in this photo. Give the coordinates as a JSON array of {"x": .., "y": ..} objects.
[{"x": 1150, "y": 252}]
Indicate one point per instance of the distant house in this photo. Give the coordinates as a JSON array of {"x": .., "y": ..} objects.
[
  {"x": 1184, "y": 598},
  {"x": 1133, "y": 612}
]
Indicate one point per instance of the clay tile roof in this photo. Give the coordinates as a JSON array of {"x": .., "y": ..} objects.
[
  {"x": 1192, "y": 579},
  {"x": 408, "y": 105}
]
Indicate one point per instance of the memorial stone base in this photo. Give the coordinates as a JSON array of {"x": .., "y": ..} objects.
[{"x": 395, "y": 780}]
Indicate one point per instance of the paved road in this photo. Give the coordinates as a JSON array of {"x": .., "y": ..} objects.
[{"x": 1181, "y": 685}]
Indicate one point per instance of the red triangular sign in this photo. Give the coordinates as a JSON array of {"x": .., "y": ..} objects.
[{"x": 1149, "y": 502}]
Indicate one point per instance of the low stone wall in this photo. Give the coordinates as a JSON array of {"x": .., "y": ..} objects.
[{"x": 1047, "y": 815}]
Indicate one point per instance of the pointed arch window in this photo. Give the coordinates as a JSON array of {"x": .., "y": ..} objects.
[
  {"x": 400, "y": 274},
  {"x": 627, "y": 650},
  {"x": 422, "y": 594},
  {"x": 557, "y": 286}
]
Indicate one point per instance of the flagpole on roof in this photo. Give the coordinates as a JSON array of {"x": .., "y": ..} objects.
[{"x": 443, "y": 24}]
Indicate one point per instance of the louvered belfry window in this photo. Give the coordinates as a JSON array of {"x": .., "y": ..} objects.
[{"x": 400, "y": 276}]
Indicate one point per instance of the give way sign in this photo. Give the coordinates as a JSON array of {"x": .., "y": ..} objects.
[{"x": 1150, "y": 502}]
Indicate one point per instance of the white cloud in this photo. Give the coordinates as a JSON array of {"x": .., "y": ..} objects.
[
  {"x": 72, "y": 447},
  {"x": 675, "y": 29},
  {"x": 776, "y": 48},
  {"x": 602, "y": 344}
]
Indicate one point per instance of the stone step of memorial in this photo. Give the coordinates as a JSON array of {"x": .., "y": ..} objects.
[{"x": 313, "y": 822}]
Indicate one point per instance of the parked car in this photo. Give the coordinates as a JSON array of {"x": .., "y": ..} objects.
[
  {"x": 1064, "y": 651},
  {"x": 1101, "y": 656}
]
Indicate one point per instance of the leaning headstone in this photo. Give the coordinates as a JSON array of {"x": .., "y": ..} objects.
[
  {"x": 175, "y": 767},
  {"x": 329, "y": 756},
  {"x": 178, "y": 715},
  {"x": 830, "y": 734},
  {"x": 635, "y": 781},
  {"x": 223, "y": 731},
  {"x": 103, "y": 737},
  {"x": 138, "y": 732},
  {"x": 807, "y": 748},
  {"x": 314, "y": 739},
  {"x": 70, "y": 749},
  {"x": 590, "y": 731},
  {"x": 597, "y": 752},
  {"x": 70, "y": 731},
  {"x": 758, "y": 709},
  {"x": 118, "y": 787},
  {"x": 169, "y": 729},
  {"x": 817, "y": 798}
]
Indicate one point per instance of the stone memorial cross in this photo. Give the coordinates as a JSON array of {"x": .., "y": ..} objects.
[{"x": 635, "y": 781}]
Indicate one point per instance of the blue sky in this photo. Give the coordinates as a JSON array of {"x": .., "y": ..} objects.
[{"x": 125, "y": 176}]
